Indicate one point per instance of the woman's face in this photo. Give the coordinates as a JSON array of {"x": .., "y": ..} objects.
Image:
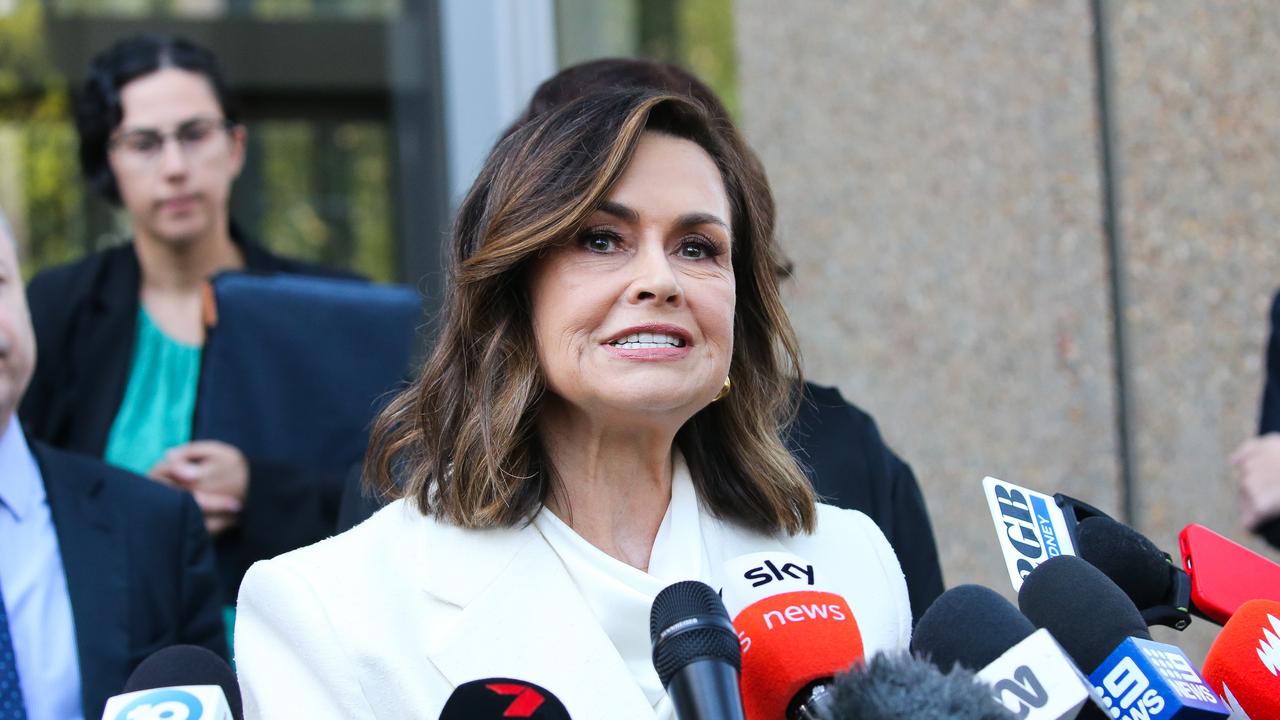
[
  {"x": 633, "y": 319},
  {"x": 173, "y": 157}
]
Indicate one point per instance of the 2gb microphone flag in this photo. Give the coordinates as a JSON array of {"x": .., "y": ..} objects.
[{"x": 1030, "y": 526}]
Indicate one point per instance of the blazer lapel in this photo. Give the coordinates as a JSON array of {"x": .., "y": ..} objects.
[
  {"x": 523, "y": 618},
  {"x": 96, "y": 568}
]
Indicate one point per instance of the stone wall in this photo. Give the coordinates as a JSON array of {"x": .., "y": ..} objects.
[{"x": 937, "y": 170}]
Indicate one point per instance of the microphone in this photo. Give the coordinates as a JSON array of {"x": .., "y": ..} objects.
[
  {"x": 1100, "y": 627},
  {"x": 695, "y": 651},
  {"x": 1032, "y": 527},
  {"x": 1151, "y": 579},
  {"x": 502, "y": 698},
  {"x": 180, "y": 681},
  {"x": 1224, "y": 574},
  {"x": 970, "y": 626},
  {"x": 975, "y": 628},
  {"x": 796, "y": 635},
  {"x": 893, "y": 686},
  {"x": 1244, "y": 661}
]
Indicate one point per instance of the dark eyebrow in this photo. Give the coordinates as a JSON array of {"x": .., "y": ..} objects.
[
  {"x": 622, "y": 212},
  {"x": 184, "y": 123},
  {"x": 694, "y": 219},
  {"x": 626, "y": 214}
]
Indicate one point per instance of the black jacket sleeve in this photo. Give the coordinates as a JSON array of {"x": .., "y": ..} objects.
[
  {"x": 356, "y": 505},
  {"x": 53, "y": 301},
  {"x": 287, "y": 507},
  {"x": 200, "y": 595},
  {"x": 912, "y": 538},
  {"x": 842, "y": 451},
  {"x": 1270, "y": 416},
  {"x": 1270, "y": 419}
]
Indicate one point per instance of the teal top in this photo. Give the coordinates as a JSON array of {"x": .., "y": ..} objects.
[{"x": 159, "y": 400}]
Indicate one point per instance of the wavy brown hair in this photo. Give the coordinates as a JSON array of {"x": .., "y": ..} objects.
[{"x": 462, "y": 443}]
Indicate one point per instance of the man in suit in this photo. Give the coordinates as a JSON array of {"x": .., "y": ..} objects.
[{"x": 113, "y": 566}]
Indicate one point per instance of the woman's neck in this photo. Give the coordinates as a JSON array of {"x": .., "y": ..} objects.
[
  {"x": 613, "y": 483},
  {"x": 173, "y": 276},
  {"x": 183, "y": 266}
]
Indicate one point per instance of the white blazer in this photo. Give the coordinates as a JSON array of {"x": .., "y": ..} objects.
[{"x": 385, "y": 620}]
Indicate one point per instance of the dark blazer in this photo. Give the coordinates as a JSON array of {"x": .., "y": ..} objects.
[
  {"x": 1270, "y": 416},
  {"x": 139, "y": 565},
  {"x": 841, "y": 450},
  {"x": 85, "y": 316}
]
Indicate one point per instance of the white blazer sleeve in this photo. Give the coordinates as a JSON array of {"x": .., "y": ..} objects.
[
  {"x": 871, "y": 575},
  {"x": 287, "y": 655},
  {"x": 894, "y": 579}
]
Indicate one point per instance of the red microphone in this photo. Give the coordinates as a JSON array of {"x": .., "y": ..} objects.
[
  {"x": 795, "y": 634},
  {"x": 1225, "y": 575},
  {"x": 1243, "y": 665}
]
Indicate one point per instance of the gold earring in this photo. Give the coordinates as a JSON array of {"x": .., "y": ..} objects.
[{"x": 724, "y": 389}]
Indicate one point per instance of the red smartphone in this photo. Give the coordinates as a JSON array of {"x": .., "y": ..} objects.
[{"x": 1225, "y": 574}]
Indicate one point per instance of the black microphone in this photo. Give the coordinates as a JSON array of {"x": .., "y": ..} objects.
[
  {"x": 975, "y": 628},
  {"x": 174, "y": 680},
  {"x": 696, "y": 652},
  {"x": 1101, "y": 628},
  {"x": 1160, "y": 589},
  {"x": 902, "y": 686},
  {"x": 494, "y": 698},
  {"x": 970, "y": 626}
]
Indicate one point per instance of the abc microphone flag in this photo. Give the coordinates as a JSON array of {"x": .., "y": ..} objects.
[
  {"x": 180, "y": 682},
  {"x": 795, "y": 633}
]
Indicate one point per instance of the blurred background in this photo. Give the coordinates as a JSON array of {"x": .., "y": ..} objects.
[{"x": 1032, "y": 239}]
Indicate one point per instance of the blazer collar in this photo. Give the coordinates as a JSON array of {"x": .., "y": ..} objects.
[{"x": 518, "y": 604}]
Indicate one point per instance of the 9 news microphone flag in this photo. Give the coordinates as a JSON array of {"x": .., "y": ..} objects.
[{"x": 1133, "y": 677}]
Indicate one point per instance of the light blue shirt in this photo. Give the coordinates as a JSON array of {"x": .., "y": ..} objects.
[{"x": 35, "y": 586}]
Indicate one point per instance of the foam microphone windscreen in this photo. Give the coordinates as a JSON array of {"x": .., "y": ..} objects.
[
  {"x": 1127, "y": 557},
  {"x": 1087, "y": 613},
  {"x": 1243, "y": 664},
  {"x": 179, "y": 665},
  {"x": 969, "y": 625},
  {"x": 890, "y": 687}
]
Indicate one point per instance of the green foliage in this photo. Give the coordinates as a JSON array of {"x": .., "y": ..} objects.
[{"x": 45, "y": 206}]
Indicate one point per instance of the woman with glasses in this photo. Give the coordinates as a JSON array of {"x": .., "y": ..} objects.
[{"x": 120, "y": 331}]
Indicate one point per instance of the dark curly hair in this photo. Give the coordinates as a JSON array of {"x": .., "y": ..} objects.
[{"x": 97, "y": 104}]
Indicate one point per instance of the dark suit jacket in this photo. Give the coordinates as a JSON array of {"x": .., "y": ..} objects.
[
  {"x": 1270, "y": 420},
  {"x": 139, "y": 565},
  {"x": 85, "y": 316},
  {"x": 841, "y": 450}
]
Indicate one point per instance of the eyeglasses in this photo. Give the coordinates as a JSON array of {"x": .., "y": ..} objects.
[{"x": 145, "y": 145}]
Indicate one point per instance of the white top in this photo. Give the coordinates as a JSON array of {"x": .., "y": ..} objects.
[
  {"x": 620, "y": 596},
  {"x": 385, "y": 620}
]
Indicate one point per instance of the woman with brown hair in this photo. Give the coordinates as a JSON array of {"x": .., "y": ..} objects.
[{"x": 599, "y": 418}]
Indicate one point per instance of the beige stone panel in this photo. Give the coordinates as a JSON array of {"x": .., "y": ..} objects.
[
  {"x": 936, "y": 171},
  {"x": 1197, "y": 89}
]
